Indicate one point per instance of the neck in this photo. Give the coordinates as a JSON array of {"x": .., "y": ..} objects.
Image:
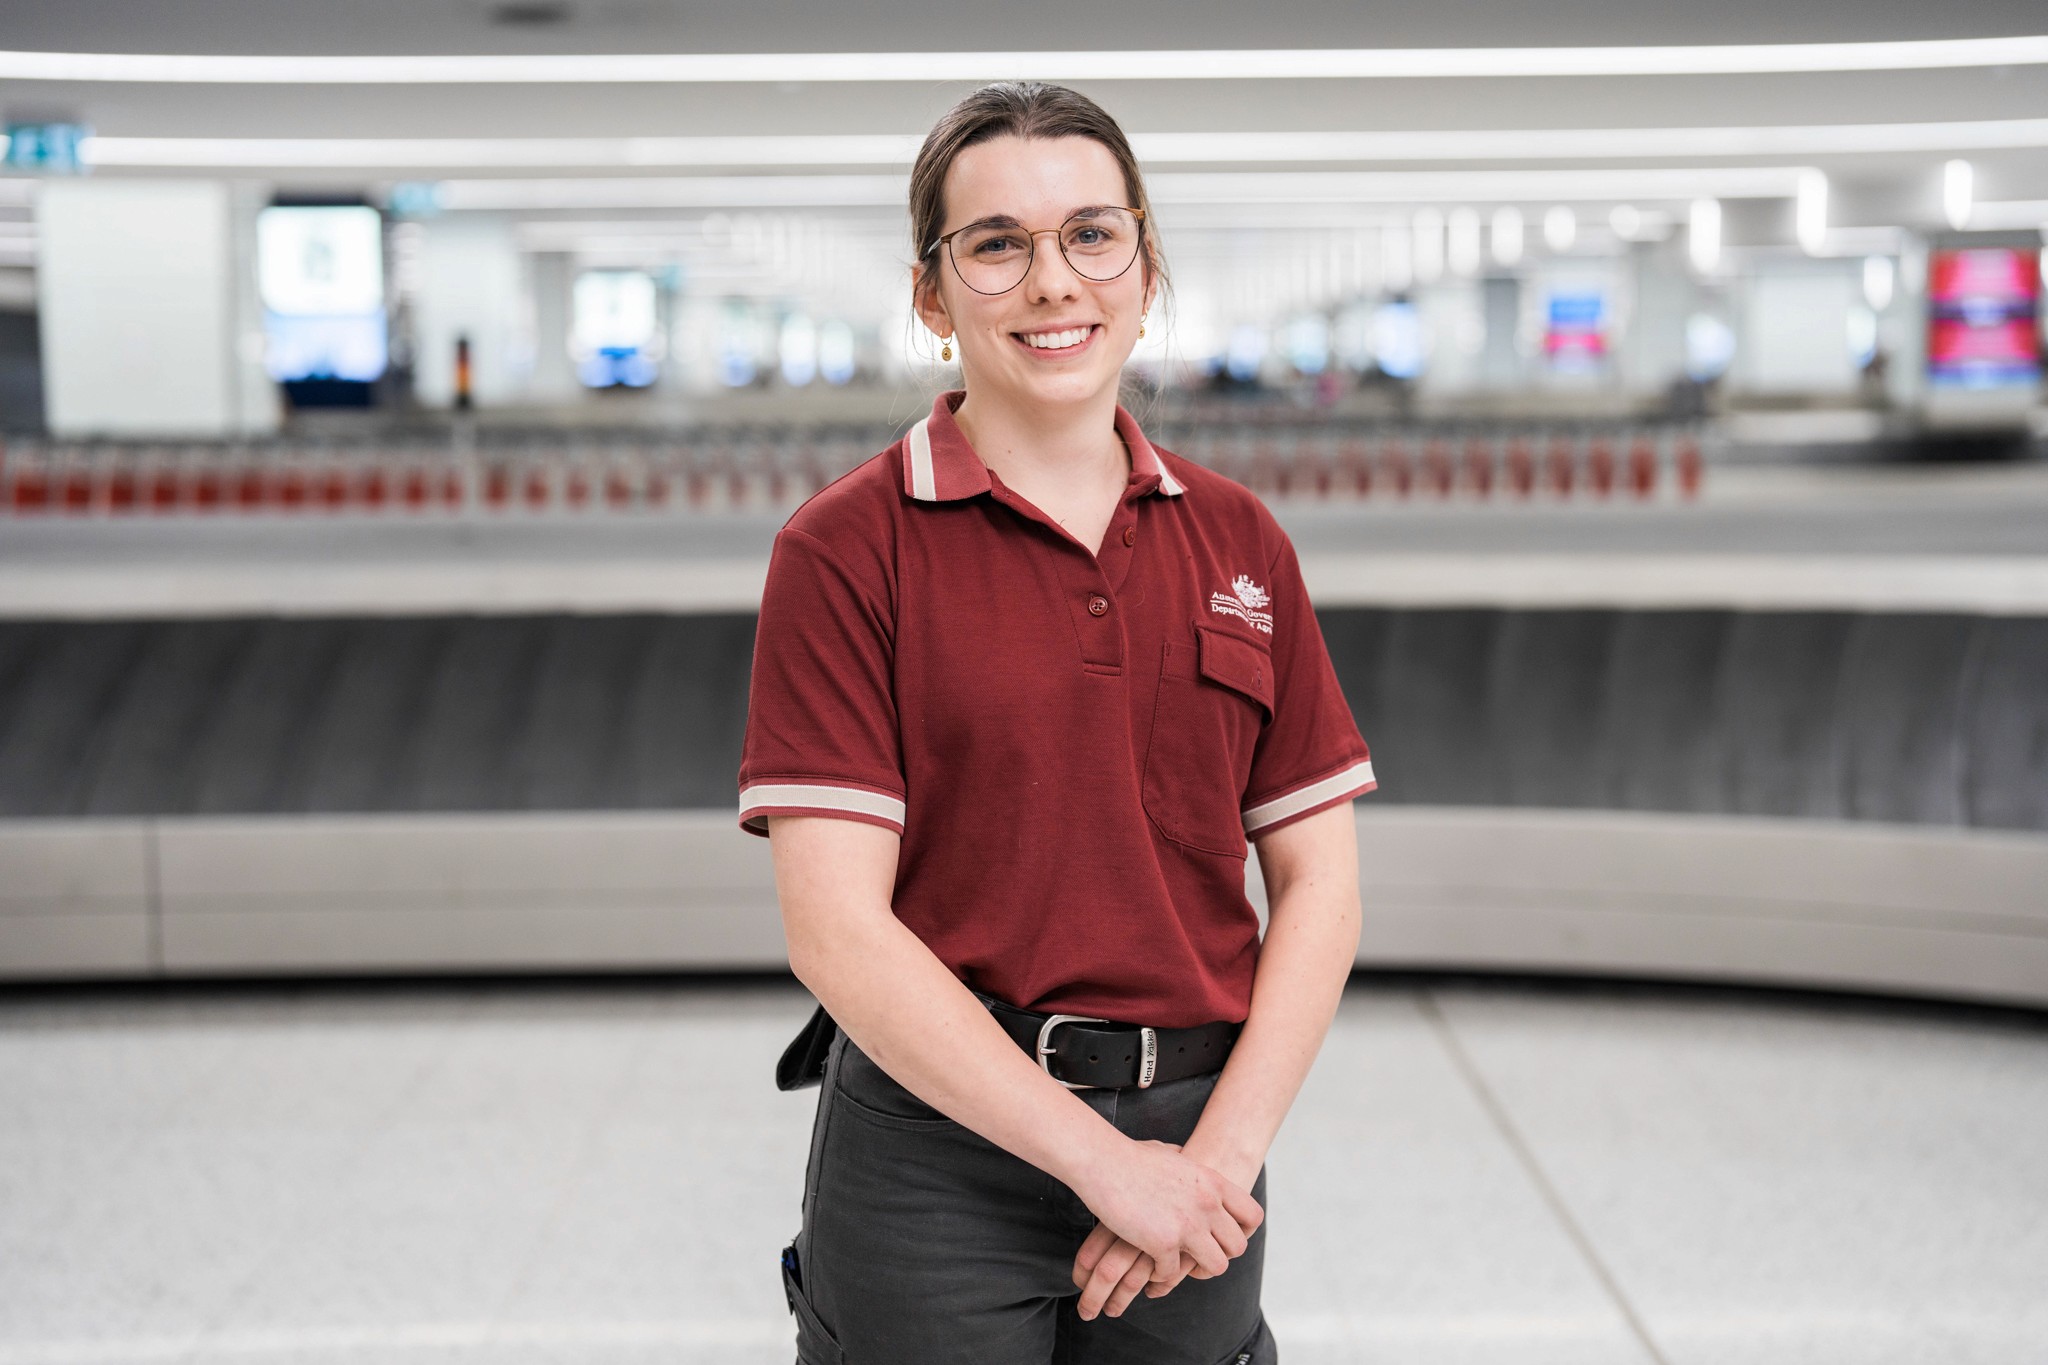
[{"x": 1067, "y": 443}]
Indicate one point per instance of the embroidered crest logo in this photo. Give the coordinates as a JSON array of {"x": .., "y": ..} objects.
[{"x": 1243, "y": 601}]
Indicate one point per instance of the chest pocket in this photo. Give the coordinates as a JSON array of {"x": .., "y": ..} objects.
[{"x": 1215, "y": 696}]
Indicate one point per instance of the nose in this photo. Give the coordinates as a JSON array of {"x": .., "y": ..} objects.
[{"x": 1064, "y": 282}]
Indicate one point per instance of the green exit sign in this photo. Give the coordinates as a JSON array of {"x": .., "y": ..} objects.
[{"x": 52, "y": 148}]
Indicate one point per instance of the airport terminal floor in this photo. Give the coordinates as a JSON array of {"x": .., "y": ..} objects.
[
  {"x": 400, "y": 404},
  {"x": 1480, "y": 1171}
]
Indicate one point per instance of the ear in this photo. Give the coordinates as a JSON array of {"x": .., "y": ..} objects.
[{"x": 930, "y": 308}]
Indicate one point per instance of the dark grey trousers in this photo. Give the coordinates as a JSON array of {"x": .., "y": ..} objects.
[{"x": 925, "y": 1244}]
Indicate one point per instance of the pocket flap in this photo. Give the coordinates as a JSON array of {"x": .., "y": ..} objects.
[{"x": 1237, "y": 663}]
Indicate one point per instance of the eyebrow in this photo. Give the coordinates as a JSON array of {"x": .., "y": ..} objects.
[{"x": 1006, "y": 220}]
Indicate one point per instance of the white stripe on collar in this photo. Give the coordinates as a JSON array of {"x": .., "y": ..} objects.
[{"x": 924, "y": 483}]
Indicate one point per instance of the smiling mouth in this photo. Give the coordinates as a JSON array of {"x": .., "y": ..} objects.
[{"x": 1058, "y": 341}]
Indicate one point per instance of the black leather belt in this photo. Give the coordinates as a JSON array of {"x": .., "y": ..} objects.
[{"x": 1084, "y": 1053}]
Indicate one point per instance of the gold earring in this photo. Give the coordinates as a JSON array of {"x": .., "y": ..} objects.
[
  {"x": 946, "y": 348},
  {"x": 1141, "y": 326}
]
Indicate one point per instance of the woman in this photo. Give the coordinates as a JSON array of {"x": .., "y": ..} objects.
[{"x": 1022, "y": 686}]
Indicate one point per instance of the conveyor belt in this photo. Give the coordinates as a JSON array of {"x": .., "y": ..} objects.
[{"x": 1894, "y": 717}]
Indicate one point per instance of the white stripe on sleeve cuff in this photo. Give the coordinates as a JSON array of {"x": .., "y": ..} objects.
[
  {"x": 785, "y": 797},
  {"x": 1352, "y": 781}
]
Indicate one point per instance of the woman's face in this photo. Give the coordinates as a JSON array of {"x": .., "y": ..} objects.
[{"x": 1056, "y": 338}]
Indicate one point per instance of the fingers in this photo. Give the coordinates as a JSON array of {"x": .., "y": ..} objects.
[
  {"x": 1208, "y": 1254},
  {"x": 1108, "y": 1274},
  {"x": 1139, "y": 1278},
  {"x": 1159, "y": 1289},
  {"x": 1241, "y": 1206},
  {"x": 1231, "y": 1238},
  {"x": 1099, "y": 1241},
  {"x": 1135, "y": 1279}
]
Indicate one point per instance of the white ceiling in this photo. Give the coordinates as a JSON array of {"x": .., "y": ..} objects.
[
  {"x": 467, "y": 26},
  {"x": 1896, "y": 183}
]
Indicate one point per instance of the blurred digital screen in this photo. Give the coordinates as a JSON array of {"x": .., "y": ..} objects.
[
  {"x": 320, "y": 273},
  {"x": 325, "y": 348},
  {"x": 613, "y": 329},
  {"x": 1398, "y": 345},
  {"x": 1575, "y": 329},
  {"x": 1982, "y": 307},
  {"x": 321, "y": 262},
  {"x": 613, "y": 310}
]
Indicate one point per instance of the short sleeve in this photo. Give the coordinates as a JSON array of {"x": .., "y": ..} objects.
[
  {"x": 1310, "y": 755},
  {"x": 821, "y": 736}
]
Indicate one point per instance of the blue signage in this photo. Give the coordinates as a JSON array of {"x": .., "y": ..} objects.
[{"x": 52, "y": 148}]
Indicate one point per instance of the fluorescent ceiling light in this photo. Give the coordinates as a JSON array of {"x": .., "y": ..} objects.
[
  {"x": 1528, "y": 144},
  {"x": 1844, "y": 243},
  {"x": 326, "y": 153},
  {"x": 1560, "y": 228},
  {"x": 1428, "y": 241},
  {"x": 1703, "y": 235},
  {"x": 1169, "y": 188},
  {"x": 1958, "y": 179},
  {"x": 2010, "y": 214},
  {"x": 1464, "y": 251},
  {"x": 707, "y": 191},
  {"x": 926, "y": 67},
  {"x": 1507, "y": 235},
  {"x": 1810, "y": 211},
  {"x": 889, "y": 149},
  {"x": 1482, "y": 186}
]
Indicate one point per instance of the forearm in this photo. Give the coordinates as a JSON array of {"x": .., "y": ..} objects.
[
  {"x": 1311, "y": 944},
  {"x": 885, "y": 988}
]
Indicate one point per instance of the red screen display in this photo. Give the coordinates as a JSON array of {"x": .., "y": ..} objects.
[{"x": 1982, "y": 317}]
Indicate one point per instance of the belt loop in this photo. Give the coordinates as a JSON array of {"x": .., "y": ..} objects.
[{"x": 1148, "y": 1064}]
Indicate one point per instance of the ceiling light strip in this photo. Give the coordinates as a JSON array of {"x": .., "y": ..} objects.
[
  {"x": 326, "y": 153},
  {"x": 862, "y": 149},
  {"x": 1224, "y": 64},
  {"x": 1168, "y": 188},
  {"x": 1480, "y": 186}
]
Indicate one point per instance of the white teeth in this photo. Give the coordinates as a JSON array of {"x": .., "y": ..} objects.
[{"x": 1052, "y": 341}]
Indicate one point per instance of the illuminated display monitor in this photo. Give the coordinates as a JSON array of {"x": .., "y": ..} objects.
[
  {"x": 320, "y": 273},
  {"x": 614, "y": 331},
  {"x": 1575, "y": 329},
  {"x": 1982, "y": 310}
]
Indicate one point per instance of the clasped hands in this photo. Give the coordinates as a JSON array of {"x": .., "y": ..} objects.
[{"x": 1185, "y": 1211}]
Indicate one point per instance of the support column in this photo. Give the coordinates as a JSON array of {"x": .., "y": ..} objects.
[{"x": 144, "y": 292}]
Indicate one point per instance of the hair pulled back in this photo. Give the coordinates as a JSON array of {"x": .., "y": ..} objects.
[{"x": 1029, "y": 109}]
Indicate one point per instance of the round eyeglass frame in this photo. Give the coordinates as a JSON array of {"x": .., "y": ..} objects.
[{"x": 1031, "y": 260}]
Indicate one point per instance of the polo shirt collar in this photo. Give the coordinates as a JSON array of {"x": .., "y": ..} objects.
[{"x": 940, "y": 466}]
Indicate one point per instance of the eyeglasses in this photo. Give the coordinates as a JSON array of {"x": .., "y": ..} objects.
[{"x": 1099, "y": 244}]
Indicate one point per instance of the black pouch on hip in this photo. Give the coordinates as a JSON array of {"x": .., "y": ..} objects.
[{"x": 803, "y": 1062}]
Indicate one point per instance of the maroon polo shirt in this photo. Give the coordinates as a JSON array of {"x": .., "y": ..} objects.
[{"x": 1074, "y": 744}]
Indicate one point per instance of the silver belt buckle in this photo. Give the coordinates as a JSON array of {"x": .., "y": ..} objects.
[
  {"x": 1045, "y": 1044},
  {"x": 1148, "y": 1060}
]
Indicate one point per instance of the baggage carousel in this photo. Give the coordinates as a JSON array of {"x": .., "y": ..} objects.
[{"x": 1796, "y": 733}]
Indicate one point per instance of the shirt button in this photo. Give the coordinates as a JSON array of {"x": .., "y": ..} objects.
[
  {"x": 1130, "y": 535},
  {"x": 1097, "y": 605}
]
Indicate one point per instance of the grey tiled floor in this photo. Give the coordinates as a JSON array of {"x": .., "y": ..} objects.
[{"x": 1476, "y": 1173}]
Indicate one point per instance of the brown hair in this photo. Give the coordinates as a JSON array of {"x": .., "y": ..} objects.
[{"x": 1030, "y": 109}]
